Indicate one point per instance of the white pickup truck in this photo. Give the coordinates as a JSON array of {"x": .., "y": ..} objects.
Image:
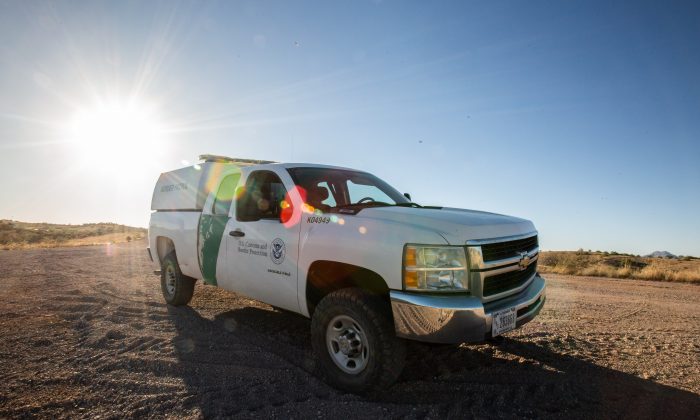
[{"x": 342, "y": 247}]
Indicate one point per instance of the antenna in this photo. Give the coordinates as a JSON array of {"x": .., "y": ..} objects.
[{"x": 238, "y": 161}]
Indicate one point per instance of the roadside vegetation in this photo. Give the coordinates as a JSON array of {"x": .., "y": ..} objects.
[
  {"x": 615, "y": 265},
  {"x": 22, "y": 235}
]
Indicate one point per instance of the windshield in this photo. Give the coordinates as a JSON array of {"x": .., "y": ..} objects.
[{"x": 328, "y": 189}]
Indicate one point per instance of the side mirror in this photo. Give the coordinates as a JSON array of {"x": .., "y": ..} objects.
[{"x": 407, "y": 195}]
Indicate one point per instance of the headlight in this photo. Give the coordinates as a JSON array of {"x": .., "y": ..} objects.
[{"x": 435, "y": 268}]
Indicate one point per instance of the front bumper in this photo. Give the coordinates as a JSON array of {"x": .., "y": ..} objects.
[{"x": 458, "y": 319}]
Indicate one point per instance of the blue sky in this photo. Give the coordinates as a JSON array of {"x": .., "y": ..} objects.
[{"x": 584, "y": 117}]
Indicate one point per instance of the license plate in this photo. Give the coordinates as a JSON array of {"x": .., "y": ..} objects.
[{"x": 503, "y": 321}]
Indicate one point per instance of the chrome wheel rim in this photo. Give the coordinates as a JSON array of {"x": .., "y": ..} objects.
[
  {"x": 347, "y": 344},
  {"x": 170, "y": 280}
]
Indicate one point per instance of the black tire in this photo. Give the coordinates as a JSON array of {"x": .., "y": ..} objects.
[
  {"x": 386, "y": 354},
  {"x": 177, "y": 288}
]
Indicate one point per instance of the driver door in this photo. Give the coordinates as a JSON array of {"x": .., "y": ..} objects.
[{"x": 262, "y": 252}]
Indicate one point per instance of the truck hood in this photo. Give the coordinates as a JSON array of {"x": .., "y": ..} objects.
[{"x": 456, "y": 225}]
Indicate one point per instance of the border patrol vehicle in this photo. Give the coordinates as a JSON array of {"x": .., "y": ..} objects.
[{"x": 342, "y": 247}]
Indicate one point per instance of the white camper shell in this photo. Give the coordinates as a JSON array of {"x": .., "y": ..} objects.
[{"x": 188, "y": 188}]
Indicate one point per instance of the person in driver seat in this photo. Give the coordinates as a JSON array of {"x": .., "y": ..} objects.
[{"x": 315, "y": 196}]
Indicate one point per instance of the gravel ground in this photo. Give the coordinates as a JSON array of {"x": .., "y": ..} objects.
[{"x": 85, "y": 333}]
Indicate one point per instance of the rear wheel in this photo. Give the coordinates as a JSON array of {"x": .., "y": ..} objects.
[
  {"x": 353, "y": 337},
  {"x": 177, "y": 288}
]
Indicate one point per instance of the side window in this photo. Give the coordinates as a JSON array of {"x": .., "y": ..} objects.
[
  {"x": 224, "y": 196},
  {"x": 261, "y": 197}
]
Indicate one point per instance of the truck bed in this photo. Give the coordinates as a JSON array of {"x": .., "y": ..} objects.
[{"x": 181, "y": 228}]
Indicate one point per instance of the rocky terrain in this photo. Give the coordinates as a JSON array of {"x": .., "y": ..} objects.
[{"x": 85, "y": 333}]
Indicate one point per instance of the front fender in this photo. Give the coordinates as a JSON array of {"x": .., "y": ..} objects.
[{"x": 371, "y": 244}]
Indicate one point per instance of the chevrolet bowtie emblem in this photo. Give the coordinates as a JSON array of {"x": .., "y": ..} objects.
[{"x": 524, "y": 260}]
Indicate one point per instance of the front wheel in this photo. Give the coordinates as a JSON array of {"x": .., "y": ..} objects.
[
  {"x": 177, "y": 288},
  {"x": 353, "y": 337}
]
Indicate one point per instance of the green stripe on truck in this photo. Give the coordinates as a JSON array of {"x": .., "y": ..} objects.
[{"x": 211, "y": 232}]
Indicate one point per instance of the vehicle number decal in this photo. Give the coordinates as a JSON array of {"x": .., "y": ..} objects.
[{"x": 318, "y": 219}]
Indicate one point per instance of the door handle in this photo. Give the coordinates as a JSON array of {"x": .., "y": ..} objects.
[{"x": 237, "y": 233}]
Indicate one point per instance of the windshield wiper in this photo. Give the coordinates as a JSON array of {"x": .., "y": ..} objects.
[
  {"x": 365, "y": 204},
  {"x": 354, "y": 208}
]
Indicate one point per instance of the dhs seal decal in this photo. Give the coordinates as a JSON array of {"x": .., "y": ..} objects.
[{"x": 278, "y": 251}]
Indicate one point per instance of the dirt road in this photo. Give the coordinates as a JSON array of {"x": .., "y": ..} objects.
[{"x": 84, "y": 333}]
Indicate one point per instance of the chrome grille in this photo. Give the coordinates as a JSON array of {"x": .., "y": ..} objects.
[
  {"x": 501, "y": 267},
  {"x": 503, "y": 250},
  {"x": 509, "y": 280}
]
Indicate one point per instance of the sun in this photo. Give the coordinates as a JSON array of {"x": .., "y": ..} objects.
[{"x": 116, "y": 133}]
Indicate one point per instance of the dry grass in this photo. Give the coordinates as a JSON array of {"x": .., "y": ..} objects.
[
  {"x": 620, "y": 266},
  {"x": 21, "y": 235}
]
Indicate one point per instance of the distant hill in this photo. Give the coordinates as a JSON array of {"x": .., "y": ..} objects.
[
  {"x": 14, "y": 234},
  {"x": 615, "y": 265},
  {"x": 661, "y": 254}
]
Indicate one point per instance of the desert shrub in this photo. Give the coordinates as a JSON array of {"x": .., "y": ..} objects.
[
  {"x": 625, "y": 262},
  {"x": 595, "y": 271},
  {"x": 653, "y": 272},
  {"x": 562, "y": 263}
]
